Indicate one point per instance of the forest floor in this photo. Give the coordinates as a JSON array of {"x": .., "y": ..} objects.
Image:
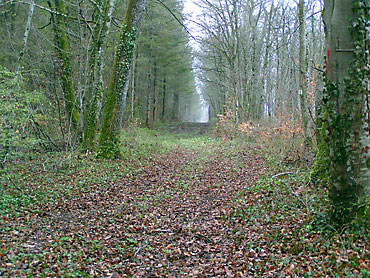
[{"x": 174, "y": 206}]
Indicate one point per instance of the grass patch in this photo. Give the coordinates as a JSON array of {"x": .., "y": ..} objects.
[
  {"x": 151, "y": 141},
  {"x": 31, "y": 184}
]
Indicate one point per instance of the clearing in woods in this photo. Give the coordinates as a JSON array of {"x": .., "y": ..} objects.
[{"x": 174, "y": 206}]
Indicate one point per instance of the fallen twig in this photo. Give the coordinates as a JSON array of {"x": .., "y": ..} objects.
[
  {"x": 282, "y": 174},
  {"x": 145, "y": 243}
]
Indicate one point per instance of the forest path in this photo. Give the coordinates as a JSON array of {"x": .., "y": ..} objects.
[
  {"x": 174, "y": 206},
  {"x": 166, "y": 218},
  {"x": 179, "y": 213},
  {"x": 188, "y": 128}
]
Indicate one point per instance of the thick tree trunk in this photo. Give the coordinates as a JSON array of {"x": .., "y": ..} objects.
[
  {"x": 347, "y": 127},
  {"x": 63, "y": 51},
  {"x": 94, "y": 88},
  {"x": 109, "y": 137}
]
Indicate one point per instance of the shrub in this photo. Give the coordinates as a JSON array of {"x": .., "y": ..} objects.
[
  {"x": 225, "y": 127},
  {"x": 18, "y": 109}
]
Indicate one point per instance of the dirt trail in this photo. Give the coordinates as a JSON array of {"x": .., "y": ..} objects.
[
  {"x": 188, "y": 128},
  {"x": 186, "y": 232},
  {"x": 201, "y": 208},
  {"x": 167, "y": 220}
]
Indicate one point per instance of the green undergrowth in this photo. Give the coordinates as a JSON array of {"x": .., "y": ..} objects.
[
  {"x": 291, "y": 210},
  {"x": 277, "y": 221},
  {"x": 29, "y": 185},
  {"x": 151, "y": 141}
]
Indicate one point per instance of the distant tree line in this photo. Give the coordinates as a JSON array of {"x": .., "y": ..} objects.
[
  {"x": 257, "y": 55},
  {"x": 260, "y": 59}
]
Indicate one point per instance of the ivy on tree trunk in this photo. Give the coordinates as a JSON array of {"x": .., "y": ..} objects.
[
  {"x": 94, "y": 88},
  {"x": 345, "y": 98},
  {"x": 63, "y": 51},
  {"x": 109, "y": 136}
]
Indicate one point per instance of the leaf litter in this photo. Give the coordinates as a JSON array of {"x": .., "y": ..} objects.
[{"x": 205, "y": 211}]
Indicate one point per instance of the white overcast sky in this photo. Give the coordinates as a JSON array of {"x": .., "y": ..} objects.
[
  {"x": 190, "y": 6},
  {"x": 192, "y": 11}
]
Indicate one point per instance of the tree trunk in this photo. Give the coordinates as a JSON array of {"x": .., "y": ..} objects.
[
  {"x": 95, "y": 86},
  {"x": 148, "y": 100},
  {"x": 345, "y": 96},
  {"x": 25, "y": 36},
  {"x": 164, "y": 99},
  {"x": 155, "y": 94},
  {"x": 133, "y": 84},
  {"x": 266, "y": 72},
  {"x": 123, "y": 101},
  {"x": 303, "y": 70},
  {"x": 109, "y": 137},
  {"x": 176, "y": 107},
  {"x": 63, "y": 51}
]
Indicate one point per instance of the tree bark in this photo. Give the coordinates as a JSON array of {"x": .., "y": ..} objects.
[
  {"x": 133, "y": 84},
  {"x": 95, "y": 87},
  {"x": 164, "y": 99},
  {"x": 347, "y": 128},
  {"x": 176, "y": 107},
  {"x": 303, "y": 70},
  {"x": 63, "y": 51},
  {"x": 109, "y": 136},
  {"x": 25, "y": 36},
  {"x": 155, "y": 96}
]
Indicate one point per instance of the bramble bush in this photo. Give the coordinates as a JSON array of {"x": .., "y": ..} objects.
[
  {"x": 283, "y": 134},
  {"x": 283, "y": 127},
  {"x": 225, "y": 126}
]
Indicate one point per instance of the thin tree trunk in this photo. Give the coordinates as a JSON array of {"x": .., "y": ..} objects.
[
  {"x": 148, "y": 101},
  {"x": 155, "y": 93},
  {"x": 123, "y": 100},
  {"x": 133, "y": 74},
  {"x": 164, "y": 99},
  {"x": 25, "y": 36},
  {"x": 267, "y": 72},
  {"x": 176, "y": 106},
  {"x": 133, "y": 86},
  {"x": 303, "y": 69}
]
